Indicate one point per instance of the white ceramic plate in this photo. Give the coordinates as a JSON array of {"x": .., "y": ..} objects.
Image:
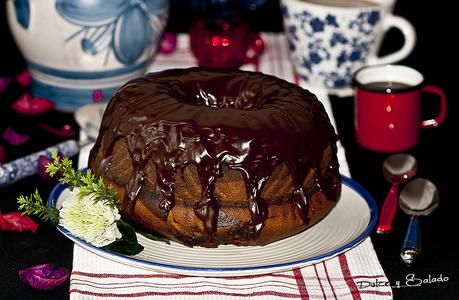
[{"x": 351, "y": 221}]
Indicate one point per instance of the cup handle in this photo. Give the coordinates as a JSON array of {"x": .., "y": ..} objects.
[
  {"x": 442, "y": 114},
  {"x": 409, "y": 35},
  {"x": 256, "y": 48}
]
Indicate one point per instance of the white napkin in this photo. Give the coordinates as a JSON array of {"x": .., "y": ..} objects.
[{"x": 351, "y": 275}]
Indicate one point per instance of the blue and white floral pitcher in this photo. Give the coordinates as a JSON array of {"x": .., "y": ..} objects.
[{"x": 75, "y": 48}]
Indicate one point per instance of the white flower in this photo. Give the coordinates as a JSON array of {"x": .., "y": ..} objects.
[{"x": 94, "y": 222}]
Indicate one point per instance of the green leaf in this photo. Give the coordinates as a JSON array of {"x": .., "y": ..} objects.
[
  {"x": 127, "y": 244},
  {"x": 127, "y": 231},
  {"x": 123, "y": 247}
]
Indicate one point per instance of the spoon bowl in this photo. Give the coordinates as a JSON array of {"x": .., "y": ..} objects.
[
  {"x": 397, "y": 168},
  {"x": 418, "y": 198}
]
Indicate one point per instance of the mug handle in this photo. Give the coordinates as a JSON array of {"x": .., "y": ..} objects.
[
  {"x": 442, "y": 114},
  {"x": 409, "y": 34},
  {"x": 256, "y": 48}
]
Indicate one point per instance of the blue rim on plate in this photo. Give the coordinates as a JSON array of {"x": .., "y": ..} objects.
[{"x": 353, "y": 185}]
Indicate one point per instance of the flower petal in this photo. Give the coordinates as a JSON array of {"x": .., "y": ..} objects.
[
  {"x": 87, "y": 219},
  {"x": 42, "y": 164},
  {"x": 24, "y": 78},
  {"x": 65, "y": 131},
  {"x": 2, "y": 154},
  {"x": 4, "y": 83},
  {"x": 44, "y": 277},
  {"x": 16, "y": 221},
  {"x": 14, "y": 138},
  {"x": 131, "y": 36},
  {"x": 91, "y": 13},
  {"x": 97, "y": 95},
  {"x": 168, "y": 43},
  {"x": 32, "y": 106}
]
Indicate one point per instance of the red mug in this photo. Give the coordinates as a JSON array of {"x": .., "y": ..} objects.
[
  {"x": 224, "y": 43},
  {"x": 387, "y": 108}
]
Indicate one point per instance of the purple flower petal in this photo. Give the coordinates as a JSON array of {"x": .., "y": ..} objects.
[
  {"x": 65, "y": 131},
  {"x": 16, "y": 221},
  {"x": 168, "y": 43},
  {"x": 24, "y": 78},
  {"x": 2, "y": 154},
  {"x": 4, "y": 83},
  {"x": 43, "y": 162},
  {"x": 14, "y": 138},
  {"x": 97, "y": 96},
  {"x": 32, "y": 106},
  {"x": 44, "y": 277}
]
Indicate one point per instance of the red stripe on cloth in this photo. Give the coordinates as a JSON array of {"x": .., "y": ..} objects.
[
  {"x": 320, "y": 281},
  {"x": 373, "y": 292},
  {"x": 367, "y": 276},
  {"x": 328, "y": 278},
  {"x": 184, "y": 293},
  {"x": 112, "y": 275},
  {"x": 188, "y": 285},
  {"x": 175, "y": 276},
  {"x": 301, "y": 283},
  {"x": 281, "y": 275},
  {"x": 348, "y": 277},
  {"x": 296, "y": 77}
]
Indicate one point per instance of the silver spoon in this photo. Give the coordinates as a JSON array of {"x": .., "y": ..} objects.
[
  {"x": 418, "y": 198},
  {"x": 397, "y": 168}
]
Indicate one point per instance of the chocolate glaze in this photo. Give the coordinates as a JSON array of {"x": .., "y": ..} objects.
[{"x": 247, "y": 121}]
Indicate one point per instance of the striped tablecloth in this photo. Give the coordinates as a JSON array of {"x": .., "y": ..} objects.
[{"x": 355, "y": 274}]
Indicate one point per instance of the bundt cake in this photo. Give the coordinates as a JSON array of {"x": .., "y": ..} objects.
[{"x": 207, "y": 156}]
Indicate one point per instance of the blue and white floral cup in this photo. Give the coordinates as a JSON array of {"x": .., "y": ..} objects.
[
  {"x": 330, "y": 39},
  {"x": 76, "y": 49}
]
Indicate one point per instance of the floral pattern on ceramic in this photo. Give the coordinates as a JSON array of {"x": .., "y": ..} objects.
[
  {"x": 74, "y": 48},
  {"x": 124, "y": 27},
  {"x": 328, "y": 47},
  {"x": 22, "y": 8}
]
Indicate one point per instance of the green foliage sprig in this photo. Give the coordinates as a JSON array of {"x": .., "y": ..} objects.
[
  {"x": 87, "y": 182},
  {"x": 88, "y": 185},
  {"x": 33, "y": 205}
]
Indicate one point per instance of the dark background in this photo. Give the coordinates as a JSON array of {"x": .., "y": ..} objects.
[{"x": 435, "y": 55}]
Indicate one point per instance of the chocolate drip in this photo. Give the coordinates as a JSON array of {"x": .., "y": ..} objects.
[
  {"x": 329, "y": 182},
  {"x": 213, "y": 118},
  {"x": 207, "y": 208},
  {"x": 257, "y": 206},
  {"x": 298, "y": 172},
  {"x": 208, "y": 171},
  {"x": 165, "y": 184}
]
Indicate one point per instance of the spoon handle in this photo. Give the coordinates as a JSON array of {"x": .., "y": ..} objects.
[
  {"x": 411, "y": 248},
  {"x": 388, "y": 210},
  {"x": 27, "y": 165}
]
